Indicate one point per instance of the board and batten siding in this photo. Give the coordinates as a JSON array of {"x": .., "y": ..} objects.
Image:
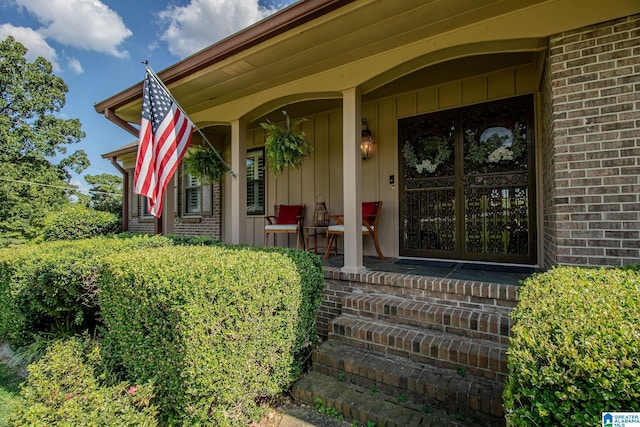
[{"x": 322, "y": 173}]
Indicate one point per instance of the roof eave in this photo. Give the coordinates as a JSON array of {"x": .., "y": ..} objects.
[{"x": 278, "y": 23}]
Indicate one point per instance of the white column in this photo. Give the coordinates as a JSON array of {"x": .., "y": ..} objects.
[
  {"x": 239, "y": 182},
  {"x": 352, "y": 164}
]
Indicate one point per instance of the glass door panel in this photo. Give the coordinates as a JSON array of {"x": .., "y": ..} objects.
[{"x": 467, "y": 189}]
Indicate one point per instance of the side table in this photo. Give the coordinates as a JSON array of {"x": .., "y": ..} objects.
[{"x": 312, "y": 232}]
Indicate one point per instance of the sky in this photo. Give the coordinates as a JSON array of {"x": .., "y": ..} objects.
[{"x": 98, "y": 48}]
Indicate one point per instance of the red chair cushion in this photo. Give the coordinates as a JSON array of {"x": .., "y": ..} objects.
[
  {"x": 369, "y": 209},
  {"x": 288, "y": 214}
]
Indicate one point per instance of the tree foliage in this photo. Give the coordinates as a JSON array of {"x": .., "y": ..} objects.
[
  {"x": 106, "y": 192},
  {"x": 31, "y": 136}
]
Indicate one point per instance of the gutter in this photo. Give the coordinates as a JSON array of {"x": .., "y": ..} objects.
[{"x": 278, "y": 23}]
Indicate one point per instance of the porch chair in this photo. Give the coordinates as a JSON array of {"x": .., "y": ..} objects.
[
  {"x": 286, "y": 219},
  {"x": 370, "y": 216}
]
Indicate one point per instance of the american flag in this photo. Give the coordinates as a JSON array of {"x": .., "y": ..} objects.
[{"x": 165, "y": 133}]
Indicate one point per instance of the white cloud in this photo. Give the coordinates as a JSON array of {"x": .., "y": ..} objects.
[
  {"x": 75, "y": 65},
  {"x": 33, "y": 41},
  {"x": 86, "y": 24},
  {"x": 203, "y": 22}
]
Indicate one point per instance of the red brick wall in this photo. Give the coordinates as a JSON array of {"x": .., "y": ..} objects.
[
  {"x": 591, "y": 154},
  {"x": 210, "y": 225}
]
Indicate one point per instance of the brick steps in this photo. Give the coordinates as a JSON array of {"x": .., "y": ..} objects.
[
  {"x": 365, "y": 406},
  {"x": 468, "y": 320},
  {"x": 444, "y": 350},
  {"x": 453, "y": 391},
  {"x": 419, "y": 342}
]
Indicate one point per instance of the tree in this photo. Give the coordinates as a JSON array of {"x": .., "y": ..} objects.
[
  {"x": 31, "y": 136},
  {"x": 106, "y": 192}
]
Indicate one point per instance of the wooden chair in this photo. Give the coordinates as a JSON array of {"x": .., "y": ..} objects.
[
  {"x": 287, "y": 219},
  {"x": 370, "y": 216}
]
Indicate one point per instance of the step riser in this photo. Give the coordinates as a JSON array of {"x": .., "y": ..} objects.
[
  {"x": 484, "y": 297},
  {"x": 427, "y": 288},
  {"x": 364, "y": 407},
  {"x": 478, "y": 358},
  {"x": 454, "y": 320},
  {"x": 472, "y": 398}
]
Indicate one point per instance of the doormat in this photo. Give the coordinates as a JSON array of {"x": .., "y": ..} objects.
[
  {"x": 500, "y": 268},
  {"x": 425, "y": 263}
]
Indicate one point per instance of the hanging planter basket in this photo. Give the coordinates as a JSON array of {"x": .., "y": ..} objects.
[
  {"x": 206, "y": 165},
  {"x": 284, "y": 146}
]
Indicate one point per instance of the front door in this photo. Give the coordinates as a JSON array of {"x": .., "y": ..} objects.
[{"x": 467, "y": 183}]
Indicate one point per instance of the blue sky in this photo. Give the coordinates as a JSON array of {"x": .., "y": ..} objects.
[{"x": 97, "y": 47}]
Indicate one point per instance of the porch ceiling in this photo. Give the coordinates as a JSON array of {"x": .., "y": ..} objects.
[{"x": 365, "y": 43}]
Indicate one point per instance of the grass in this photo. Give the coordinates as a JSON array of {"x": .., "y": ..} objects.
[{"x": 9, "y": 387}]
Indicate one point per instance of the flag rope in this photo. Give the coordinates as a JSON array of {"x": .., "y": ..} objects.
[{"x": 161, "y": 83}]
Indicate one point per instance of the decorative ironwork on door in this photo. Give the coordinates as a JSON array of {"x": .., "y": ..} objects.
[{"x": 467, "y": 185}]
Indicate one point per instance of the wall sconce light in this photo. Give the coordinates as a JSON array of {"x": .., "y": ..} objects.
[{"x": 366, "y": 143}]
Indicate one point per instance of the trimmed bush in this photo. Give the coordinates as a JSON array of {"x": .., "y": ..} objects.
[
  {"x": 79, "y": 222},
  {"x": 575, "y": 347},
  {"x": 65, "y": 388},
  {"x": 55, "y": 284},
  {"x": 215, "y": 328}
]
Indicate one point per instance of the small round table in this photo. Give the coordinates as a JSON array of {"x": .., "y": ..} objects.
[{"x": 312, "y": 232}]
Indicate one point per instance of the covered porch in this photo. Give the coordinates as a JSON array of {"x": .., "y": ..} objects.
[{"x": 416, "y": 71}]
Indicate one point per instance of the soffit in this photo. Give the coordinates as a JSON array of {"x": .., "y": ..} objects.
[{"x": 358, "y": 30}]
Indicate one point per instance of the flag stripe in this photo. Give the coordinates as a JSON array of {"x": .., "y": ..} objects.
[{"x": 165, "y": 133}]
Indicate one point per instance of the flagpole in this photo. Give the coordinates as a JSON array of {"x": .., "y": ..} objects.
[{"x": 155, "y": 76}]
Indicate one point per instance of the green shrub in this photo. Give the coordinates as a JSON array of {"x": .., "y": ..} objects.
[
  {"x": 65, "y": 388},
  {"x": 575, "y": 348},
  {"x": 79, "y": 222},
  {"x": 194, "y": 240},
  {"x": 216, "y": 328},
  {"x": 54, "y": 285}
]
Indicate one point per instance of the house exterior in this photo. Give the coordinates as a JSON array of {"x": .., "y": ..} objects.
[{"x": 506, "y": 132}]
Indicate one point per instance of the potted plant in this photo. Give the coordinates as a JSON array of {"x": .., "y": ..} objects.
[
  {"x": 284, "y": 146},
  {"x": 206, "y": 165}
]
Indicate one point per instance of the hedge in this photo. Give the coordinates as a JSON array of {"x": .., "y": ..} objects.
[
  {"x": 66, "y": 388},
  {"x": 215, "y": 328},
  {"x": 55, "y": 284},
  {"x": 575, "y": 347},
  {"x": 79, "y": 222}
]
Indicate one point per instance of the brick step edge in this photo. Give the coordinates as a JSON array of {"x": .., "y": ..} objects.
[
  {"x": 500, "y": 295},
  {"x": 479, "y": 357},
  {"x": 365, "y": 407},
  {"x": 453, "y": 391},
  {"x": 469, "y": 320}
]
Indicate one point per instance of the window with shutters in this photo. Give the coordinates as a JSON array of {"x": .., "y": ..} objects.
[
  {"x": 192, "y": 195},
  {"x": 255, "y": 182}
]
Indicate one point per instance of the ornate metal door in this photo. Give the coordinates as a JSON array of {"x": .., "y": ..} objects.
[{"x": 467, "y": 185}]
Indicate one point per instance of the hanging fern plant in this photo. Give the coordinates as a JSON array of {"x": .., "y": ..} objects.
[
  {"x": 206, "y": 165},
  {"x": 284, "y": 146}
]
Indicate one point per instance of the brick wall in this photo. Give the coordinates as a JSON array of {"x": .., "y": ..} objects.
[
  {"x": 592, "y": 150},
  {"x": 210, "y": 225}
]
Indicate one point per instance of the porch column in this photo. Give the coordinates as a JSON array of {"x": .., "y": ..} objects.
[
  {"x": 351, "y": 166},
  {"x": 238, "y": 182}
]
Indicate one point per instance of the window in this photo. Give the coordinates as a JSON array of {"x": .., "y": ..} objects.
[
  {"x": 255, "y": 182},
  {"x": 144, "y": 207},
  {"x": 192, "y": 195}
]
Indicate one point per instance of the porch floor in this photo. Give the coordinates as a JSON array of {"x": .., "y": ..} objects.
[{"x": 509, "y": 275}]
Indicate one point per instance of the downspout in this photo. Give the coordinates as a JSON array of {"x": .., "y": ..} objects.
[{"x": 125, "y": 194}]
